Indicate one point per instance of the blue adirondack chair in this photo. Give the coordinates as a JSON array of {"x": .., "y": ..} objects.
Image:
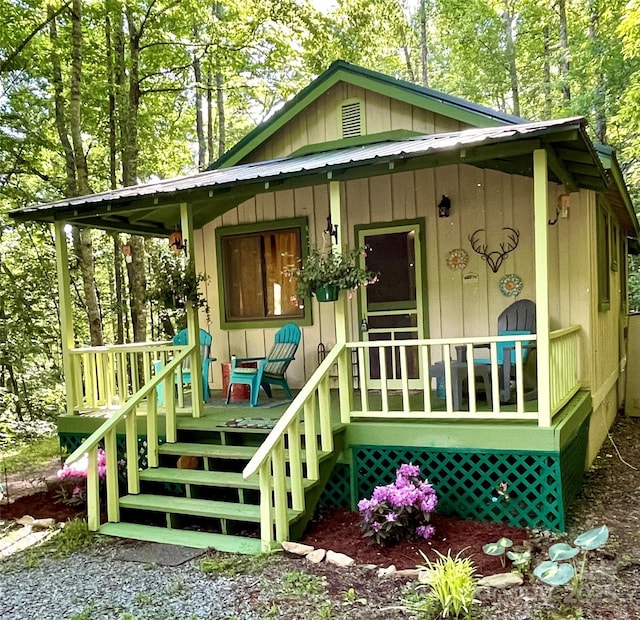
[
  {"x": 270, "y": 369},
  {"x": 519, "y": 319},
  {"x": 181, "y": 339}
]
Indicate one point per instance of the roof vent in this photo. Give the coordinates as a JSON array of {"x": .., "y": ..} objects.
[{"x": 351, "y": 119}]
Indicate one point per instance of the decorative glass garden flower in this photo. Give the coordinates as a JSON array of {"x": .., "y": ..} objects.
[
  {"x": 511, "y": 285},
  {"x": 457, "y": 259}
]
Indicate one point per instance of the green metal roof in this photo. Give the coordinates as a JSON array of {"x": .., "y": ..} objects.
[
  {"x": 153, "y": 208},
  {"x": 341, "y": 71}
]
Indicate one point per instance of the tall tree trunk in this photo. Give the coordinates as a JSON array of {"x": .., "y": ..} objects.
[
  {"x": 546, "y": 68},
  {"x": 60, "y": 111},
  {"x": 424, "y": 49},
  {"x": 119, "y": 288},
  {"x": 511, "y": 57},
  {"x": 564, "y": 51},
  {"x": 599, "y": 97},
  {"x": 197, "y": 74},
  {"x": 222, "y": 131},
  {"x": 136, "y": 268},
  {"x": 210, "y": 121},
  {"x": 113, "y": 175},
  {"x": 77, "y": 179}
]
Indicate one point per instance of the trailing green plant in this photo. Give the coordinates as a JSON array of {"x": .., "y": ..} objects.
[
  {"x": 330, "y": 267},
  {"x": 452, "y": 587},
  {"x": 562, "y": 566},
  {"x": 176, "y": 282}
]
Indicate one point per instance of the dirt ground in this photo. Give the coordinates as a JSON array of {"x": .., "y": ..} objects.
[{"x": 611, "y": 586}]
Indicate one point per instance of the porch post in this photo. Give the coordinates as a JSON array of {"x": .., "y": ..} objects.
[
  {"x": 193, "y": 326},
  {"x": 66, "y": 314},
  {"x": 345, "y": 381},
  {"x": 541, "y": 243}
]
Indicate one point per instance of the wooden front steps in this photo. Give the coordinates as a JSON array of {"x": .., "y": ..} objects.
[
  {"x": 186, "y": 538},
  {"x": 211, "y": 506}
]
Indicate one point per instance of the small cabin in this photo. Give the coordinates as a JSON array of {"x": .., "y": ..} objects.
[{"x": 491, "y": 351}]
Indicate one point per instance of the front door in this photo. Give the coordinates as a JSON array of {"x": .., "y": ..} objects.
[{"x": 392, "y": 309}]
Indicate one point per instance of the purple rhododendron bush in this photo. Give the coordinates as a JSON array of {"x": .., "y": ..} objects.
[{"x": 400, "y": 511}]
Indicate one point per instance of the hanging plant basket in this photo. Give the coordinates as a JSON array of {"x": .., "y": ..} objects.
[{"x": 329, "y": 292}]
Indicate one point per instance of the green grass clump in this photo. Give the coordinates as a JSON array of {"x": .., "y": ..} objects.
[
  {"x": 299, "y": 583},
  {"x": 232, "y": 565},
  {"x": 452, "y": 588}
]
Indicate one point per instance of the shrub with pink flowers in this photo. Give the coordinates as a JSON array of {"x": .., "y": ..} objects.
[
  {"x": 73, "y": 478},
  {"x": 400, "y": 511}
]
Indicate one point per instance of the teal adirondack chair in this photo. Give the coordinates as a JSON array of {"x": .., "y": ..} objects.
[
  {"x": 181, "y": 339},
  {"x": 518, "y": 319},
  {"x": 270, "y": 369}
]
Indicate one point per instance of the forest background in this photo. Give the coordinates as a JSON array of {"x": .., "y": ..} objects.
[{"x": 99, "y": 94}]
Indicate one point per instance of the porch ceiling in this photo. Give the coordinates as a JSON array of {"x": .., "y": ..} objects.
[{"x": 153, "y": 208}]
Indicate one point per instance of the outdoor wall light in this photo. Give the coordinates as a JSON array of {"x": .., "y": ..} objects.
[
  {"x": 332, "y": 229},
  {"x": 562, "y": 208},
  {"x": 126, "y": 250},
  {"x": 444, "y": 206}
]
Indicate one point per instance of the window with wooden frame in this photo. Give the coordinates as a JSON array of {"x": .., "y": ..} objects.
[
  {"x": 604, "y": 258},
  {"x": 251, "y": 262}
]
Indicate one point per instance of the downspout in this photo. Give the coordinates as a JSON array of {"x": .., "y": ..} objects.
[
  {"x": 66, "y": 315},
  {"x": 541, "y": 249},
  {"x": 193, "y": 326}
]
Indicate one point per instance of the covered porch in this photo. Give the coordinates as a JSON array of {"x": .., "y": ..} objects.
[{"x": 348, "y": 427}]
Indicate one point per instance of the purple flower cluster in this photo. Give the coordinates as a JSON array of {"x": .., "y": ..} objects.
[{"x": 401, "y": 510}]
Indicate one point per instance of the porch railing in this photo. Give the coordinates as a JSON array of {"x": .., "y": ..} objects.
[
  {"x": 106, "y": 435},
  {"x": 563, "y": 366},
  {"x": 394, "y": 393},
  {"x": 292, "y": 448},
  {"x": 398, "y": 379},
  {"x": 108, "y": 376}
]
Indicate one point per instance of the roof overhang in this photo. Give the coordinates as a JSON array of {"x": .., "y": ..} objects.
[{"x": 153, "y": 208}]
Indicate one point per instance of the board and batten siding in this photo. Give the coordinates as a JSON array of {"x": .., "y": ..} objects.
[
  {"x": 319, "y": 122},
  {"x": 456, "y": 307},
  {"x": 607, "y": 357}
]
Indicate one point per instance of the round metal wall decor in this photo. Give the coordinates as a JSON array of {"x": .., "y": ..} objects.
[
  {"x": 511, "y": 285},
  {"x": 457, "y": 259}
]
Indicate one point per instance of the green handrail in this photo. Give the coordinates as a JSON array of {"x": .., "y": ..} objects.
[
  {"x": 97, "y": 435},
  {"x": 107, "y": 431},
  {"x": 291, "y": 412}
]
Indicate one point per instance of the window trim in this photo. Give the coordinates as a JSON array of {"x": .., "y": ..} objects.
[{"x": 242, "y": 229}]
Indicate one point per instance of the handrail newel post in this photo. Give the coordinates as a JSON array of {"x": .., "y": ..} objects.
[
  {"x": 133, "y": 479},
  {"x": 266, "y": 512},
  {"x": 152, "y": 429},
  {"x": 280, "y": 491},
  {"x": 170, "y": 412},
  {"x": 93, "y": 496},
  {"x": 295, "y": 465},
  {"x": 111, "y": 453}
]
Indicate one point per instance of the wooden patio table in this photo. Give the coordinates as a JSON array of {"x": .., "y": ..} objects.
[{"x": 460, "y": 375}]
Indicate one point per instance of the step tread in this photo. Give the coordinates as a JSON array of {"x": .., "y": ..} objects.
[
  {"x": 186, "y": 538},
  {"x": 197, "y": 507},
  {"x": 206, "y": 449},
  {"x": 220, "y": 451},
  {"x": 206, "y": 478}
]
